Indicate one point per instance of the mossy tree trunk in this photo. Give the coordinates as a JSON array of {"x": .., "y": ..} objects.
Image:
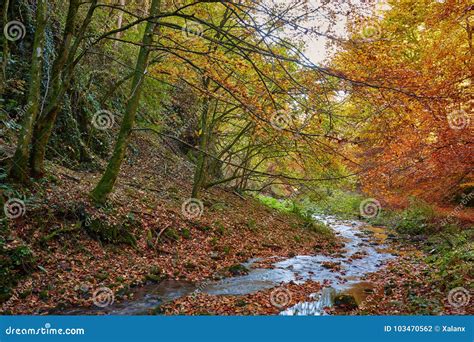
[
  {"x": 201, "y": 164},
  {"x": 61, "y": 76},
  {"x": 3, "y": 71},
  {"x": 207, "y": 122},
  {"x": 19, "y": 168},
  {"x": 107, "y": 182},
  {"x": 3, "y": 218}
]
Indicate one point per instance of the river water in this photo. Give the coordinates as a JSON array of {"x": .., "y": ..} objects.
[{"x": 364, "y": 251}]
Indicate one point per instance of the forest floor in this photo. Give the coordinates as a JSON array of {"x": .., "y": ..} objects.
[
  {"x": 70, "y": 262},
  {"x": 153, "y": 184}
]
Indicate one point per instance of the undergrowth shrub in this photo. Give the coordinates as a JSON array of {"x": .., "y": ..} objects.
[
  {"x": 303, "y": 210},
  {"x": 416, "y": 219},
  {"x": 340, "y": 203},
  {"x": 123, "y": 233},
  {"x": 15, "y": 263},
  {"x": 452, "y": 253}
]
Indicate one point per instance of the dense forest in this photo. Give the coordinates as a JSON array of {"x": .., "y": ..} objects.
[{"x": 236, "y": 157}]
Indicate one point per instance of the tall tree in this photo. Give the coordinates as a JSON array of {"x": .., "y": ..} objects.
[
  {"x": 20, "y": 169},
  {"x": 5, "y": 52},
  {"x": 106, "y": 183},
  {"x": 61, "y": 77}
]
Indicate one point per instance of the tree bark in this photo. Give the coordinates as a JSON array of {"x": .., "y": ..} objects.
[
  {"x": 19, "y": 169},
  {"x": 118, "y": 35},
  {"x": 3, "y": 71},
  {"x": 201, "y": 165},
  {"x": 107, "y": 182},
  {"x": 62, "y": 74}
]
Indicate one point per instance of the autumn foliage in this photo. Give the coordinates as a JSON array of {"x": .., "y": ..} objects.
[{"x": 414, "y": 121}]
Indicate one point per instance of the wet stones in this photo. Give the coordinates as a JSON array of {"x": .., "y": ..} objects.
[
  {"x": 345, "y": 302},
  {"x": 332, "y": 265}
]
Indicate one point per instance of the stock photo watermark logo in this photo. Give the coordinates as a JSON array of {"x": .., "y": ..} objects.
[
  {"x": 14, "y": 30},
  {"x": 280, "y": 297},
  {"x": 103, "y": 120},
  {"x": 459, "y": 119},
  {"x": 103, "y": 297},
  {"x": 46, "y": 330},
  {"x": 370, "y": 208},
  {"x": 192, "y": 208},
  {"x": 459, "y": 297},
  {"x": 370, "y": 31},
  {"x": 14, "y": 208},
  {"x": 192, "y": 30},
  {"x": 466, "y": 198},
  {"x": 281, "y": 120}
]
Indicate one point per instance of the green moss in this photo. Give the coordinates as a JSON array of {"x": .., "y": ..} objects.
[
  {"x": 111, "y": 233},
  {"x": 171, "y": 234},
  {"x": 186, "y": 233},
  {"x": 281, "y": 205},
  {"x": 43, "y": 295},
  {"x": 219, "y": 228},
  {"x": 219, "y": 206},
  {"x": 241, "y": 303},
  {"x": 155, "y": 274},
  {"x": 154, "y": 278},
  {"x": 252, "y": 225},
  {"x": 101, "y": 276},
  {"x": 214, "y": 241},
  {"x": 319, "y": 228},
  {"x": 238, "y": 269}
]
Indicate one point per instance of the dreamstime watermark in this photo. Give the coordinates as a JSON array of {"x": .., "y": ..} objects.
[
  {"x": 370, "y": 208},
  {"x": 22, "y": 112},
  {"x": 178, "y": 131},
  {"x": 459, "y": 297},
  {"x": 280, "y": 297},
  {"x": 103, "y": 120},
  {"x": 202, "y": 287},
  {"x": 459, "y": 119},
  {"x": 281, "y": 120},
  {"x": 14, "y": 30},
  {"x": 464, "y": 201},
  {"x": 46, "y": 330},
  {"x": 192, "y": 29},
  {"x": 14, "y": 208},
  {"x": 370, "y": 31},
  {"x": 192, "y": 208},
  {"x": 103, "y": 297}
]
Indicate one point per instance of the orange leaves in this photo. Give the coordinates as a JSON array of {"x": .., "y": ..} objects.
[{"x": 422, "y": 140}]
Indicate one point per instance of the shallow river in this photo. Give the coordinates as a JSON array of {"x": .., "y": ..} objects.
[{"x": 364, "y": 252}]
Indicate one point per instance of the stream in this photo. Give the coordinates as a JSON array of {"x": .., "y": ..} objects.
[{"x": 365, "y": 251}]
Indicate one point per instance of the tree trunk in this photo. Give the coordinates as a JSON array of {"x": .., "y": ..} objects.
[
  {"x": 118, "y": 35},
  {"x": 19, "y": 168},
  {"x": 201, "y": 165},
  {"x": 3, "y": 218},
  {"x": 3, "y": 71},
  {"x": 107, "y": 182},
  {"x": 63, "y": 68}
]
